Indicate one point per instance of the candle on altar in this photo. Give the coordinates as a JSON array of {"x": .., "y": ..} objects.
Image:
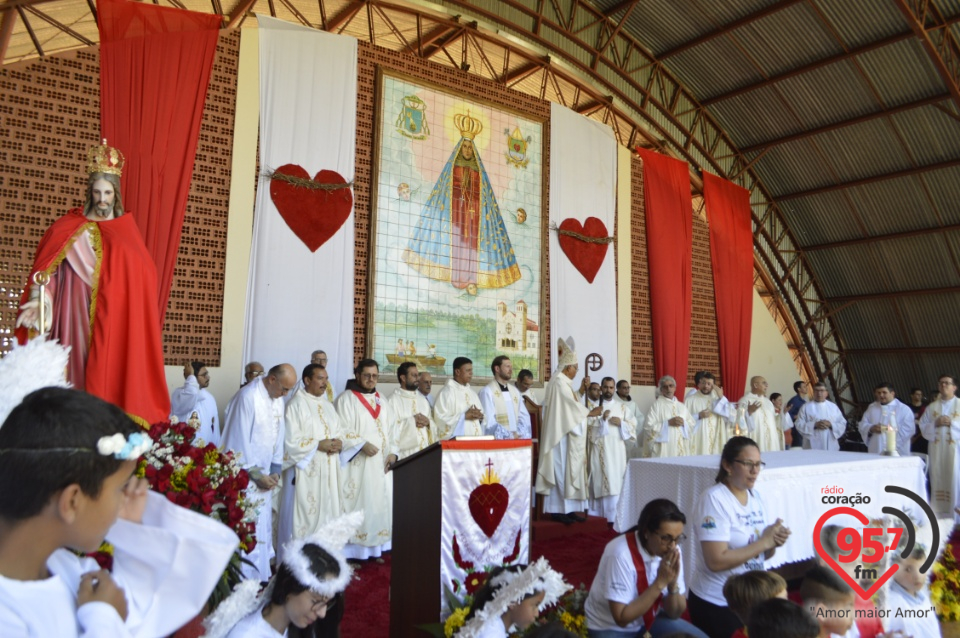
[{"x": 891, "y": 433}]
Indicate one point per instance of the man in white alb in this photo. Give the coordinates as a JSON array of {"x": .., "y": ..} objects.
[
  {"x": 524, "y": 385},
  {"x": 192, "y": 403},
  {"x": 562, "y": 467},
  {"x": 369, "y": 451},
  {"x": 940, "y": 424},
  {"x": 457, "y": 408},
  {"x": 885, "y": 411},
  {"x": 712, "y": 414},
  {"x": 505, "y": 415},
  {"x": 312, "y": 444},
  {"x": 608, "y": 453},
  {"x": 637, "y": 447},
  {"x": 414, "y": 428},
  {"x": 253, "y": 427},
  {"x": 761, "y": 417},
  {"x": 425, "y": 385},
  {"x": 668, "y": 424},
  {"x": 821, "y": 422}
]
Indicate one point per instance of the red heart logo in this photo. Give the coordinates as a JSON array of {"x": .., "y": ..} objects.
[
  {"x": 488, "y": 503},
  {"x": 586, "y": 257},
  {"x": 864, "y": 595},
  {"x": 313, "y": 214}
]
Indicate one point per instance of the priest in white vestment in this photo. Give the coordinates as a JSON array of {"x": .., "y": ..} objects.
[
  {"x": 253, "y": 428},
  {"x": 669, "y": 424},
  {"x": 562, "y": 467},
  {"x": 609, "y": 434},
  {"x": 885, "y": 411},
  {"x": 193, "y": 403},
  {"x": 940, "y": 424},
  {"x": 785, "y": 423},
  {"x": 369, "y": 451},
  {"x": 636, "y": 448},
  {"x": 821, "y": 422},
  {"x": 413, "y": 426},
  {"x": 761, "y": 417},
  {"x": 712, "y": 412},
  {"x": 504, "y": 414},
  {"x": 457, "y": 407},
  {"x": 312, "y": 444}
]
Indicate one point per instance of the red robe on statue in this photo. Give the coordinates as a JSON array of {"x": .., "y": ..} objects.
[{"x": 117, "y": 310}]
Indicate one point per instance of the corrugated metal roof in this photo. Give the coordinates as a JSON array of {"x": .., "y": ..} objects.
[
  {"x": 860, "y": 22},
  {"x": 913, "y": 263},
  {"x": 793, "y": 169},
  {"x": 695, "y": 68},
  {"x": 901, "y": 73},
  {"x": 902, "y": 371},
  {"x": 860, "y": 151},
  {"x": 870, "y": 324},
  {"x": 929, "y": 133},
  {"x": 852, "y": 270},
  {"x": 820, "y": 219},
  {"x": 944, "y": 188},
  {"x": 930, "y": 320},
  {"x": 783, "y": 40},
  {"x": 893, "y": 206},
  {"x": 748, "y": 118},
  {"x": 828, "y": 94}
]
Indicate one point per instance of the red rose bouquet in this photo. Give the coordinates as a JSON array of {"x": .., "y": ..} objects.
[{"x": 202, "y": 479}]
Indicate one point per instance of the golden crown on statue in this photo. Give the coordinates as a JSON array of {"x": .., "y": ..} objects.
[
  {"x": 469, "y": 127},
  {"x": 104, "y": 159}
]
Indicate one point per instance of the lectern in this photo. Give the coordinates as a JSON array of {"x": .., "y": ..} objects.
[{"x": 459, "y": 508}]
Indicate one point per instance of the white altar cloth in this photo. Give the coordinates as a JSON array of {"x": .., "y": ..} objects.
[{"x": 790, "y": 486}]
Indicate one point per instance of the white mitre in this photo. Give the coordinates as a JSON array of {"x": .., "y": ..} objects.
[{"x": 567, "y": 352}]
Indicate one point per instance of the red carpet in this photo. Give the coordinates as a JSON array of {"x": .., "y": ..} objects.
[{"x": 368, "y": 608}]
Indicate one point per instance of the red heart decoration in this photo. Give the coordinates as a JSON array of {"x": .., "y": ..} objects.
[
  {"x": 864, "y": 595},
  {"x": 314, "y": 215},
  {"x": 585, "y": 257},
  {"x": 488, "y": 503}
]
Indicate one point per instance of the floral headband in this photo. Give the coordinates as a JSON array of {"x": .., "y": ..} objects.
[
  {"x": 116, "y": 445},
  {"x": 513, "y": 587}
]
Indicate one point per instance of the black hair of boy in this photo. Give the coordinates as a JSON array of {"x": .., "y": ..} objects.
[
  {"x": 823, "y": 585},
  {"x": 49, "y": 442},
  {"x": 745, "y": 591},
  {"x": 779, "y": 618}
]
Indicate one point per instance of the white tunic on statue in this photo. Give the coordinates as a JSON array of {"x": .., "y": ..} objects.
[
  {"x": 877, "y": 414},
  {"x": 190, "y": 399},
  {"x": 363, "y": 483},
  {"x": 562, "y": 467},
  {"x": 404, "y": 405},
  {"x": 941, "y": 436},
  {"x": 505, "y": 417},
  {"x": 449, "y": 411},
  {"x": 167, "y": 566},
  {"x": 813, "y": 411},
  {"x": 253, "y": 427},
  {"x": 311, "y": 478},
  {"x": 762, "y": 424},
  {"x": 710, "y": 434},
  {"x": 663, "y": 439},
  {"x": 608, "y": 456}
]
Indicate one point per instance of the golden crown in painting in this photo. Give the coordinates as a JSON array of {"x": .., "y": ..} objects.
[
  {"x": 104, "y": 159},
  {"x": 469, "y": 127}
]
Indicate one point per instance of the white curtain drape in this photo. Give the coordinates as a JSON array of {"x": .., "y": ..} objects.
[
  {"x": 583, "y": 181},
  {"x": 299, "y": 301}
]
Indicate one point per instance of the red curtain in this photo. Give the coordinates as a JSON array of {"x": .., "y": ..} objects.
[
  {"x": 669, "y": 215},
  {"x": 731, "y": 255},
  {"x": 155, "y": 65}
]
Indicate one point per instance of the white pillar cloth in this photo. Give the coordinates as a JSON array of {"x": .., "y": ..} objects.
[
  {"x": 308, "y": 117},
  {"x": 583, "y": 180}
]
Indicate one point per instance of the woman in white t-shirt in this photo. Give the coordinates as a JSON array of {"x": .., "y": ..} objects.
[
  {"x": 639, "y": 584},
  {"x": 734, "y": 536}
]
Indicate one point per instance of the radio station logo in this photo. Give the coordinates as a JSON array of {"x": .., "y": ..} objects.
[{"x": 868, "y": 546}]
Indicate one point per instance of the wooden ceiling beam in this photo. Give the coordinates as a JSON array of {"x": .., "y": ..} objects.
[
  {"x": 236, "y": 16},
  {"x": 7, "y": 23}
]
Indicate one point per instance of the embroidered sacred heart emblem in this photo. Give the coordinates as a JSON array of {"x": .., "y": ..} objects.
[
  {"x": 313, "y": 214},
  {"x": 488, "y": 503},
  {"x": 586, "y": 257},
  {"x": 863, "y": 594}
]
